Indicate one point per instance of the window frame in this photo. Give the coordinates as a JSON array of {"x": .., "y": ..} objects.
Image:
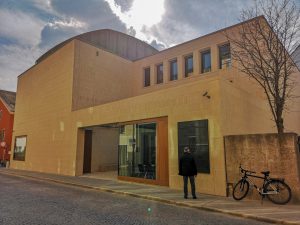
[
  {"x": 202, "y": 53},
  {"x": 18, "y": 158},
  {"x": 188, "y": 72},
  {"x": 171, "y": 69},
  {"x": 196, "y": 144},
  {"x": 228, "y": 63},
  {"x": 145, "y": 83},
  {"x": 157, "y": 74}
]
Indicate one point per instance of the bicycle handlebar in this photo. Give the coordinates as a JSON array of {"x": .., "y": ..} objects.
[{"x": 246, "y": 171}]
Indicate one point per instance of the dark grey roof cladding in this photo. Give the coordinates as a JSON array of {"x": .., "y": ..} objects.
[
  {"x": 9, "y": 99},
  {"x": 115, "y": 42}
]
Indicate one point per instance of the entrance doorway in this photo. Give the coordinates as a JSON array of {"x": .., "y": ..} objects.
[
  {"x": 133, "y": 151},
  {"x": 101, "y": 151}
]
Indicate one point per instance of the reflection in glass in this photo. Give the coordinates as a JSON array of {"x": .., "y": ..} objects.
[
  {"x": 205, "y": 62},
  {"x": 224, "y": 56},
  {"x": 137, "y": 151},
  {"x": 188, "y": 65},
  {"x": 20, "y": 148},
  {"x": 173, "y": 70},
  {"x": 159, "y": 71},
  {"x": 194, "y": 134},
  {"x": 147, "y": 77}
]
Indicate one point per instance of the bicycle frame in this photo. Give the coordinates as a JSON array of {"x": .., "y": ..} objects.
[{"x": 261, "y": 190}]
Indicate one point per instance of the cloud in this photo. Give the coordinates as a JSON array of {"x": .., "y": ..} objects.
[
  {"x": 186, "y": 20},
  {"x": 71, "y": 22},
  {"x": 44, "y": 5},
  {"x": 14, "y": 60},
  {"x": 141, "y": 15},
  {"x": 96, "y": 14},
  {"x": 30, "y": 28},
  {"x": 124, "y": 4},
  {"x": 73, "y": 17},
  {"x": 157, "y": 45},
  {"x": 22, "y": 28}
]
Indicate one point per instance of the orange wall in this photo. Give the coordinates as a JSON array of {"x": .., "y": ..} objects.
[{"x": 6, "y": 123}]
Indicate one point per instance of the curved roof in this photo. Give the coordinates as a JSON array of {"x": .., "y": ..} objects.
[{"x": 113, "y": 41}]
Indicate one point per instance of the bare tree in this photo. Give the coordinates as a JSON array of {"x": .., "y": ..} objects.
[{"x": 262, "y": 46}]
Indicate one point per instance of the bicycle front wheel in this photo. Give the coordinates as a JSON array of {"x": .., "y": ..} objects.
[
  {"x": 240, "y": 190},
  {"x": 278, "y": 192}
]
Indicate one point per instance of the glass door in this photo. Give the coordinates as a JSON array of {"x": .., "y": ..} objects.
[{"x": 137, "y": 150}]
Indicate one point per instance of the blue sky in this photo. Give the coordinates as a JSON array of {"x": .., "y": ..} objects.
[{"x": 28, "y": 28}]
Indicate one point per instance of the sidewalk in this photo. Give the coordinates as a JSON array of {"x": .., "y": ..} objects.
[{"x": 267, "y": 212}]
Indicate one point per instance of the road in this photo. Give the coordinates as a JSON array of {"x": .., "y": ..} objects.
[{"x": 32, "y": 202}]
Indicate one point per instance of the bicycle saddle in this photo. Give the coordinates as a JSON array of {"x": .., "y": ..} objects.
[{"x": 266, "y": 173}]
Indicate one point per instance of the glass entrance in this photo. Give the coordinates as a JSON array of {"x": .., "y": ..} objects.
[{"x": 137, "y": 150}]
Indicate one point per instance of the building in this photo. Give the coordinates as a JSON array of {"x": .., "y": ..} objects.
[
  {"x": 105, "y": 101},
  {"x": 296, "y": 56},
  {"x": 7, "y": 109}
]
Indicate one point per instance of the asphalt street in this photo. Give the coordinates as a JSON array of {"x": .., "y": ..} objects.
[{"x": 31, "y": 202}]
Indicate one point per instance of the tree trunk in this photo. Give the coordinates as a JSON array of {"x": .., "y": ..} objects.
[{"x": 279, "y": 125}]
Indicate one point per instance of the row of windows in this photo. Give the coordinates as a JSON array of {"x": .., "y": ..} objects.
[{"x": 224, "y": 61}]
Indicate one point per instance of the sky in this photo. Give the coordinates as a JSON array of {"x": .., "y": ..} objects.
[{"x": 28, "y": 28}]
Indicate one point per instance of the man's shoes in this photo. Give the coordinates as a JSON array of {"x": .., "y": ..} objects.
[
  {"x": 194, "y": 197},
  {"x": 185, "y": 197}
]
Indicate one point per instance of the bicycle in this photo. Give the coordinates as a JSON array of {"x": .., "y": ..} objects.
[{"x": 276, "y": 190}]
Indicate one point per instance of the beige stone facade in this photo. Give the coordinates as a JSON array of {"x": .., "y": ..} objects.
[{"x": 81, "y": 85}]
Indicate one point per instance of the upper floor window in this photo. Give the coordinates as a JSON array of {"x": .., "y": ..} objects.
[
  {"x": 188, "y": 62},
  {"x": 159, "y": 74},
  {"x": 173, "y": 70},
  {"x": 224, "y": 56},
  {"x": 147, "y": 77},
  {"x": 205, "y": 61}
]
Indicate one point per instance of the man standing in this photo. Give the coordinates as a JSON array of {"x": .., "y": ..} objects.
[{"x": 188, "y": 169}]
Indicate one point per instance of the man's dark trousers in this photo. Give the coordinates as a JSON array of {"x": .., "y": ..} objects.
[{"x": 192, "y": 181}]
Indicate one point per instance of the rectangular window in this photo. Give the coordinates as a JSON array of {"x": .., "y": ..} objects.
[
  {"x": 147, "y": 77},
  {"x": 20, "y": 148},
  {"x": 173, "y": 70},
  {"x": 159, "y": 74},
  {"x": 188, "y": 62},
  {"x": 137, "y": 151},
  {"x": 194, "y": 134},
  {"x": 205, "y": 62},
  {"x": 224, "y": 56}
]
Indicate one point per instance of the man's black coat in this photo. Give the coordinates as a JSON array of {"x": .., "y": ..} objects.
[{"x": 187, "y": 165}]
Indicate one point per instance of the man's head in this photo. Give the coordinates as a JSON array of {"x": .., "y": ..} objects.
[{"x": 186, "y": 149}]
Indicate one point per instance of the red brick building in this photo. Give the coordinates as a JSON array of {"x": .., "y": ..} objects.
[{"x": 7, "y": 109}]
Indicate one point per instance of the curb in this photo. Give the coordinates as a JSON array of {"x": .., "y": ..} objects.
[{"x": 152, "y": 198}]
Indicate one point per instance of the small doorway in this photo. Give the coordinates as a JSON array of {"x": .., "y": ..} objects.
[{"x": 87, "y": 157}]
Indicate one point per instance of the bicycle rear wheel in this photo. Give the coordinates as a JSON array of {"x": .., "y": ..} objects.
[
  {"x": 240, "y": 190},
  {"x": 282, "y": 192}
]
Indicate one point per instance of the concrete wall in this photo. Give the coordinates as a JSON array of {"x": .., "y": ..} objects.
[
  {"x": 173, "y": 103},
  {"x": 99, "y": 77},
  {"x": 105, "y": 141},
  {"x": 261, "y": 152},
  {"x": 43, "y": 107}
]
